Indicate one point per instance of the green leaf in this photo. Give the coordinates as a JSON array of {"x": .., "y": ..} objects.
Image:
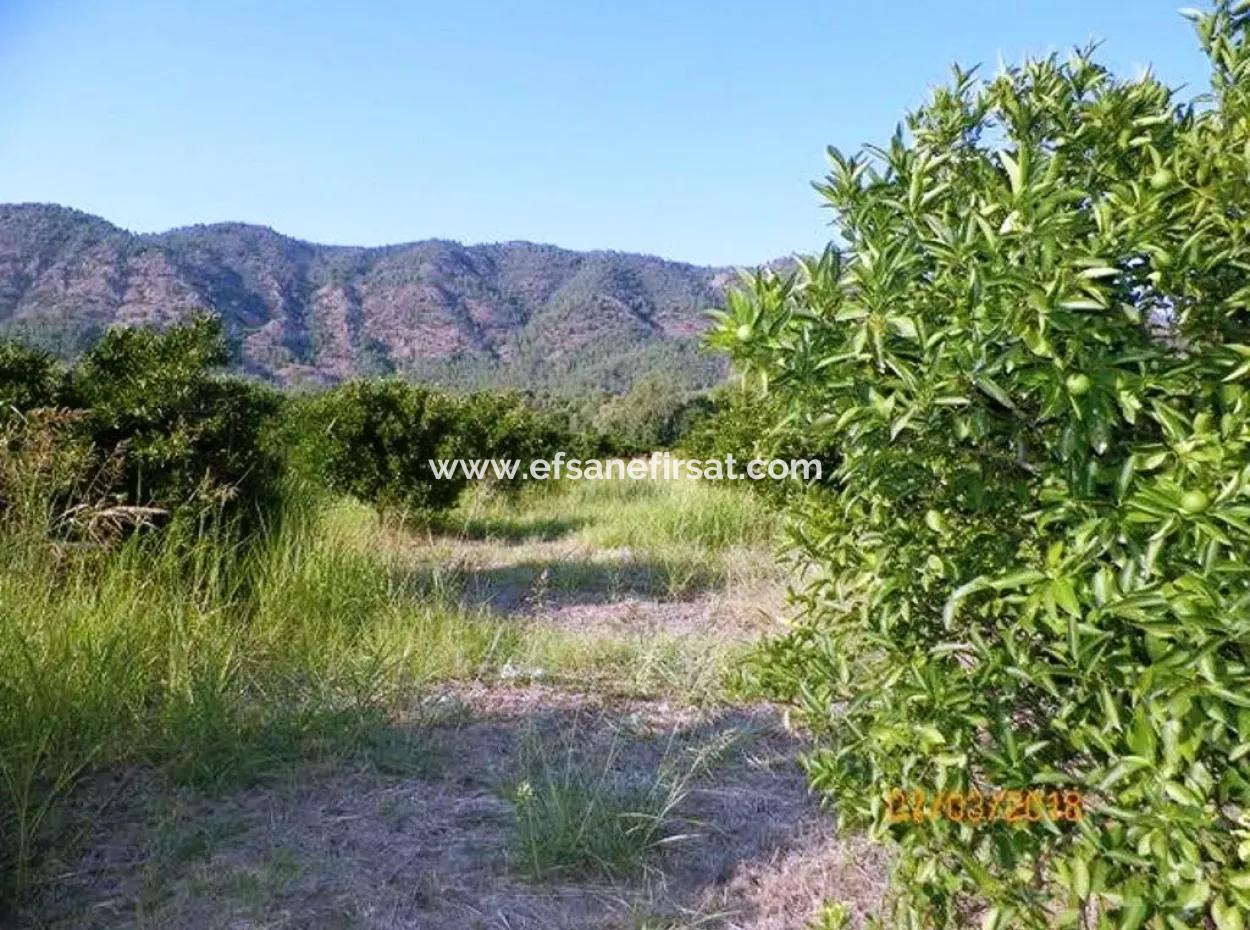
[
  {"x": 1080, "y": 878},
  {"x": 1065, "y": 596},
  {"x": 990, "y": 387},
  {"x": 1133, "y": 914},
  {"x": 1227, "y": 915},
  {"x": 1182, "y": 795},
  {"x": 1099, "y": 272}
]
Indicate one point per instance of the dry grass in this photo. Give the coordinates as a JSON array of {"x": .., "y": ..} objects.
[
  {"x": 351, "y": 846},
  {"x": 342, "y": 744}
]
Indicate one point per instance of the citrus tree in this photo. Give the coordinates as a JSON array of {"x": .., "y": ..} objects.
[
  {"x": 374, "y": 440},
  {"x": 28, "y": 379},
  {"x": 504, "y": 425},
  {"x": 190, "y": 437},
  {"x": 178, "y": 436},
  {"x": 1031, "y": 351}
]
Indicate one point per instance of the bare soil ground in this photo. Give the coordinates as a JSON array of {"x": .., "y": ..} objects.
[
  {"x": 420, "y": 833},
  {"x": 607, "y": 591}
]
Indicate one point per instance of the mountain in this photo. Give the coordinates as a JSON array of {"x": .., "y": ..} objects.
[{"x": 505, "y": 314}]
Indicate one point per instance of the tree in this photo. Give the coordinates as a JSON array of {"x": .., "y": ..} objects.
[
  {"x": 649, "y": 417},
  {"x": 174, "y": 435},
  {"x": 188, "y": 438},
  {"x": 28, "y": 379},
  {"x": 503, "y": 425},
  {"x": 374, "y": 440},
  {"x": 1032, "y": 356}
]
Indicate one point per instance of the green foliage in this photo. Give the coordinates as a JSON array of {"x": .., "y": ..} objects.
[
  {"x": 1032, "y": 357},
  {"x": 748, "y": 422},
  {"x": 28, "y": 379},
  {"x": 188, "y": 437},
  {"x": 506, "y": 426},
  {"x": 654, "y": 414},
  {"x": 374, "y": 440},
  {"x": 176, "y": 436},
  {"x": 738, "y": 422},
  {"x": 832, "y": 916}
]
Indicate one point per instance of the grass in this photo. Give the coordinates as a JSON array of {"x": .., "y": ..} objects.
[
  {"x": 577, "y": 820},
  {"x": 216, "y": 663},
  {"x": 581, "y": 813},
  {"x": 695, "y": 534}
]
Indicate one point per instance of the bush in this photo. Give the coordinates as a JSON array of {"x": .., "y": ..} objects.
[
  {"x": 1033, "y": 358},
  {"x": 374, "y": 439},
  {"x": 748, "y": 422},
  {"x": 652, "y": 415},
  {"x": 28, "y": 379},
  {"x": 176, "y": 436},
  {"x": 505, "y": 426}
]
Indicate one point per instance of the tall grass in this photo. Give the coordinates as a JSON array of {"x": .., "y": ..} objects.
[
  {"x": 645, "y": 514},
  {"x": 577, "y": 818},
  {"x": 214, "y": 661},
  {"x": 210, "y": 659},
  {"x": 710, "y": 516},
  {"x": 696, "y": 534}
]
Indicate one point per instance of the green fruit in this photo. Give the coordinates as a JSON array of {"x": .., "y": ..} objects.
[
  {"x": 1078, "y": 385},
  {"x": 745, "y": 332},
  {"x": 1195, "y": 502},
  {"x": 1161, "y": 179}
]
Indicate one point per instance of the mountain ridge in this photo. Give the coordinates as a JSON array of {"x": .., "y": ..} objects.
[{"x": 505, "y": 314}]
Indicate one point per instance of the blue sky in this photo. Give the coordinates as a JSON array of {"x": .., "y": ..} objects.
[{"x": 681, "y": 128}]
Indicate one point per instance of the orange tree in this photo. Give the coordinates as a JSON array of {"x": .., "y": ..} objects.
[
  {"x": 152, "y": 407},
  {"x": 374, "y": 440},
  {"x": 1031, "y": 354}
]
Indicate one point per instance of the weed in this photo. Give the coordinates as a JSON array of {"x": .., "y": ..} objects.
[{"x": 576, "y": 819}]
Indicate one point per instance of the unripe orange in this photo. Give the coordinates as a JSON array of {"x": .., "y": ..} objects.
[
  {"x": 1078, "y": 384},
  {"x": 1195, "y": 502}
]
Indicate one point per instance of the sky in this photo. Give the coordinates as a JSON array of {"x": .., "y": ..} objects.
[{"x": 689, "y": 129}]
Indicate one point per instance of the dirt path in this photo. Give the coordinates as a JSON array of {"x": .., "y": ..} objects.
[
  {"x": 609, "y": 591},
  {"x": 360, "y": 847},
  {"x": 421, "y": 834}
]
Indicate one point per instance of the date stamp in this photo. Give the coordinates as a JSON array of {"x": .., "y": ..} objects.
[{"x": 1025, "y": 805}]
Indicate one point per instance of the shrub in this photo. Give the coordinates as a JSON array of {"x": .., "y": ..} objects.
[
  {"x": 505, "y": 426},
  {"x": 28, "y": 379},
  {"x": 177, "y": 436},
  {"x": 652, "y": 415},
  {"x": 191, "y": 440},
  {"x": 748, "y": 422},
  {"x": 374, "y": 440},
  {"x": 1033, "y": 357}
]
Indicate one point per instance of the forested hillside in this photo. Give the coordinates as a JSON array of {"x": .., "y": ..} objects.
[{"x": 510, "y": 314}]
